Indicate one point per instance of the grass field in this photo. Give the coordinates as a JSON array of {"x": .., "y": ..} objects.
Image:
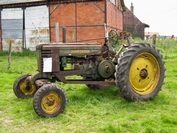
[{"x": 89, "y": 111}]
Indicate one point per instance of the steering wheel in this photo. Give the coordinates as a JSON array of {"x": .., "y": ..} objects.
[{"x": 113, "y": 38}]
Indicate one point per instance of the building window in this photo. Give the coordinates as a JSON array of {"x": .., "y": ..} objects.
[
  {"x": 117, "y": 3},
  {"x": 113, "y": 1}
]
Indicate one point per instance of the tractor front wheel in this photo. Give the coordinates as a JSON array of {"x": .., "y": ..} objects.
[
  {"x": 22, "y": 88},
  {"x": 140, "y": 72},
  {"x": 49, "y": 100}
]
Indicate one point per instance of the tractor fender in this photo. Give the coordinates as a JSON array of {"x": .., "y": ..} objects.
[{"x": 33, "y": 79}]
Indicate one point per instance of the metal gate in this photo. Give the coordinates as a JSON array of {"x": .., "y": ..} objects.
[
  {"x": 12, "y": 28},
  {"x": 24, "y": 28},
  {"x": 36, "y": 26}
]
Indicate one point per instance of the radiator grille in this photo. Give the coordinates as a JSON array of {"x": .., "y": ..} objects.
[{"x": 45, "y": 54}]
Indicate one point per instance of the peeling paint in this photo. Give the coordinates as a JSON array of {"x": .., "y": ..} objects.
[
  {"x": 8, "y": 41},
  {"x": 44, "y": 31},
  {"x": 16, "y": 44},
  {"x": 37, "y": 26}
]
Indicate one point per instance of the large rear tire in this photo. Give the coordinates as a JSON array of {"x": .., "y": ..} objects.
[
  {"x": 49, "y": 100},
  {"x": 22, "y": 88},
  {"x": 140, "y": 72}
]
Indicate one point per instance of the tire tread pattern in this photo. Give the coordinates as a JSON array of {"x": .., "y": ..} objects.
[
  {"x": 122, "y": 71},
  {"x": 16, "y": 87},
  {"x": 41, "y": 92}
]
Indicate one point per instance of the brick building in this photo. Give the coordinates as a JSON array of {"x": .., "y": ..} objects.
[
  {"x": 149, "y": 35},
  {"x": 133, "y": 24},
  {"x": 84, "y": 21}
]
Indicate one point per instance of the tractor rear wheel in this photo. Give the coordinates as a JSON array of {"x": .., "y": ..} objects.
[
  {"x": 49, "y": 100},
  {"x": 140, "y": 72},
  {"x": 22, "y": 88}
]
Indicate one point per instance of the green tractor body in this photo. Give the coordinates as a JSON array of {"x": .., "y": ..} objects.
[{"x": 90, "y": 61}]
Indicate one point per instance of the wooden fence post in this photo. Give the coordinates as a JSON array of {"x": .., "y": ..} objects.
[
  {"x": 57, "y": 32},
  {"x": 154, "y": 39},
  {"x": 9, "y": 54}
]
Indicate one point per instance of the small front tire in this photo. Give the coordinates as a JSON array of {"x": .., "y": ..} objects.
[
  {"x": 49, "y": 101},
  {"x": 22, "y": 88}
]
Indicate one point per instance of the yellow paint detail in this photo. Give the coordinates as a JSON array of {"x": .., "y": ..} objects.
[
  {"x": 51, "y": 102},
  {"x": 27, "y": 90},
  {"x": 79, "y": 51},
  {"x": 147, "y": 64}
]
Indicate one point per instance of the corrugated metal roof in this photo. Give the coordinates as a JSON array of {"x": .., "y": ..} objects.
[
  {"x": 7, "y": 2},
  {"x": 29, "y": 3},
  {"x": 11, "y": 2}
]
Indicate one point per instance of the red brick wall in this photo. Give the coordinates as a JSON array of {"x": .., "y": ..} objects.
[
  {"x": 86, "y": 16},
  {"x": 114, "y": 17},
  {"x": 84, "y": 20},
  {"x": 133, "y": 24},
  {"x": 128, "y": 18},
  {"x": 64, "y": 14}
]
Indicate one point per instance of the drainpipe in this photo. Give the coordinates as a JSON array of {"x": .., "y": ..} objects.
[
  {"x": 105, "y": 17},
  {"x": 0, "y": 30},
  {"x": 23, "y": 35},
  {"x": 76, "y": 21},
  {"x": 48, "y": 5},
  {"x": 1, "y": 48},
  {"x": 105, "y": 9}
]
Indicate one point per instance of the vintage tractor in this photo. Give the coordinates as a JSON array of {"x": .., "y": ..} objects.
[{"x": 137, "y": 69}]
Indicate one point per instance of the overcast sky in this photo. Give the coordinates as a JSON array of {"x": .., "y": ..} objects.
[{"x": 160, "y": 15}]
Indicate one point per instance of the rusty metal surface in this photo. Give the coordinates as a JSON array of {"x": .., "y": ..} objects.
[{"x": 72, "y": 49}]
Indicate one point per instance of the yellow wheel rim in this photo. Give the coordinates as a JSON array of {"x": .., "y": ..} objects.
[
  {"x": 27, "y": 90},
  {"x": 51, "y": 102},
  {"x": 144, "y": 73}
]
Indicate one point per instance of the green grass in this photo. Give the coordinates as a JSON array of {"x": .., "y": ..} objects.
[{"x": 88, "y": 111}]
